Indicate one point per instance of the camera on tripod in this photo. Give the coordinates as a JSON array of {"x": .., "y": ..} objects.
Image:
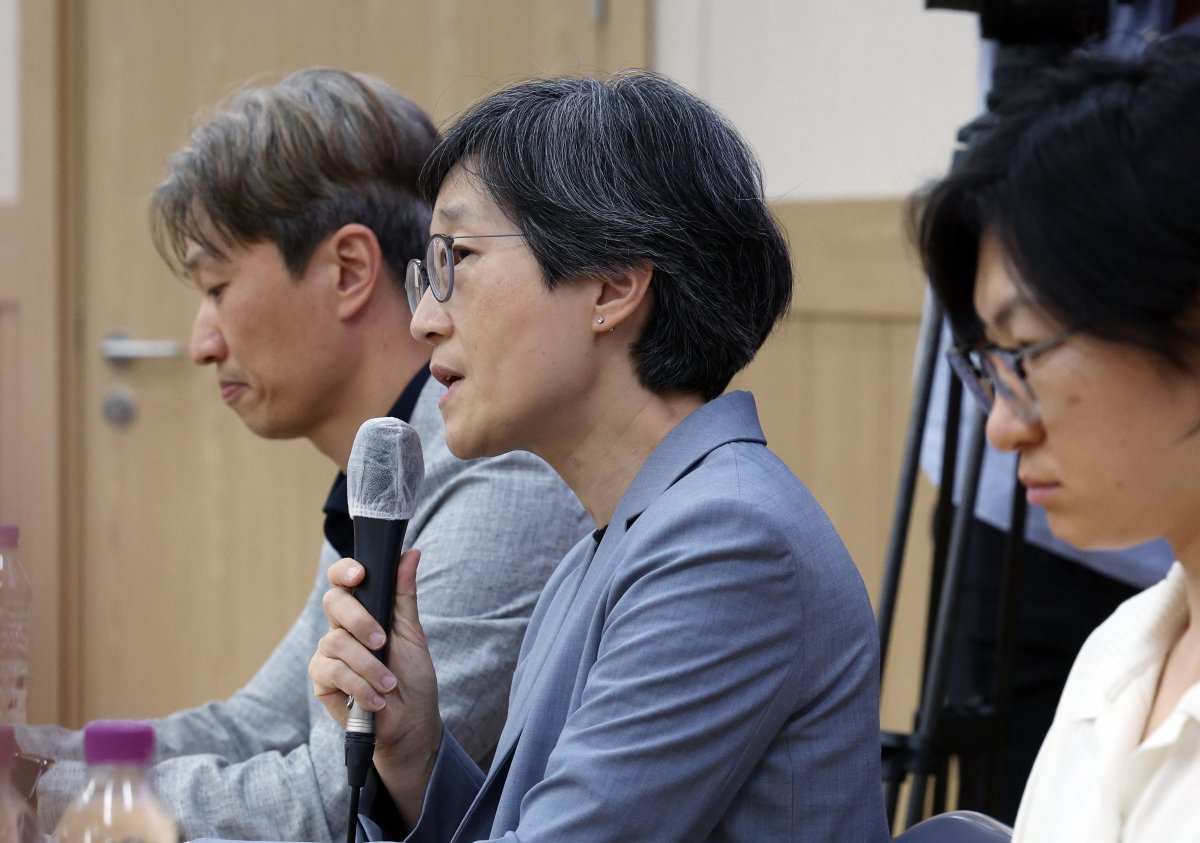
[{"x": 1034, "y": 21}]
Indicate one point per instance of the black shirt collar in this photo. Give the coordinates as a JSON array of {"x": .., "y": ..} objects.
[{"x": 339, "y": 529}]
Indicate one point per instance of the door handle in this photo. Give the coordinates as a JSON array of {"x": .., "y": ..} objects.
[{"x": 119, "y": 349}]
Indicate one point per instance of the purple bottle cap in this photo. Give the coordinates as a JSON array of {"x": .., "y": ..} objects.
[
  {"x": 119, "y": 742},
  {"x": 9, "y": 533},
  {"x": 8, "y": 747}
]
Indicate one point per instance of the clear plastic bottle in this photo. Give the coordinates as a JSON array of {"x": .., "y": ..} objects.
[
  {"x": 15, "y": 625},
  {"x": 17, "y": 823},
  {"x": 118, "y": 803}
]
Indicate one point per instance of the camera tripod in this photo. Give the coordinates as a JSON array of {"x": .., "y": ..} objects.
[{"x": 944, "y": 730}]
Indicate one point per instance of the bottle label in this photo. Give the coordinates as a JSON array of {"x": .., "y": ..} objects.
[
  {"x": 14, "y": 657},
  {"x": 15, "y": 628},
  {"x": 12, "y": 692}
]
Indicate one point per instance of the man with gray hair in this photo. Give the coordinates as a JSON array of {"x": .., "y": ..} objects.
[{"x": 294, "y": 212}]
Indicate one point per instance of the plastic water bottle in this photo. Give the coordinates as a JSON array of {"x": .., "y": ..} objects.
[
  {"x": 15, "y": 625},
  {"x": 17, "y": 823},
  {"x": 118, "y": 803}
]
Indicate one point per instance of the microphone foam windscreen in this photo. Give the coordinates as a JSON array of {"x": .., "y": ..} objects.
[{"x": 385, "y": 470}]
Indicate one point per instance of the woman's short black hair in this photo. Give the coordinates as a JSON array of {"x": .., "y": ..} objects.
[
  {"x": 1090, "y": 179},
  {"x": 602, "y": 176}
]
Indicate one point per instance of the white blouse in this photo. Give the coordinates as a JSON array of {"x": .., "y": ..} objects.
[{"x": 1093, "y": 781}]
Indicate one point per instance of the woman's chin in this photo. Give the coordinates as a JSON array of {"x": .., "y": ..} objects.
[
  {"x": 1092, "y": 534},
  {"x": 467, "y": 445},
  {"x": 462, "y": 448}
]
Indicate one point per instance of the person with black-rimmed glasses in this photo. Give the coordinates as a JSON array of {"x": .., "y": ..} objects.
[{"x": 1066, "y": 252}]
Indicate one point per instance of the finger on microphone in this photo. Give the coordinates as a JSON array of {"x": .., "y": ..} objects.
[
  {"x": 365, "y": 696},
  {"x": 407, "y": 613},
  {"x": 345, "y": 573},
  {"x": 406, "y": 574},
  {"x": 343, "y": 664},
  {"x": 406, "y": 577},
  {"x": 343, "y": 611}
]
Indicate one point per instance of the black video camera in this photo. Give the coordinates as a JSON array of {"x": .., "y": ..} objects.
[
  {"x": 1034, "y": 21},
  {"x": 1031, "y": 34}
]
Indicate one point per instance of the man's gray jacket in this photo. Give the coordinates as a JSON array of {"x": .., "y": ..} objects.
[{"x": 268, "y": 763}]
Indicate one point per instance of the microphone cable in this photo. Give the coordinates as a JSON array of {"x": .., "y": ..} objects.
[{"x": 360, "y": 746}]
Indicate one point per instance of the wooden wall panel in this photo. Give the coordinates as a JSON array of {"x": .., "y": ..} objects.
[{"x": 31, "y": 346}]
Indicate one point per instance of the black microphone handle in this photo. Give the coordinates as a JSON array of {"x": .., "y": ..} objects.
[{"x": 377, "y": 545}]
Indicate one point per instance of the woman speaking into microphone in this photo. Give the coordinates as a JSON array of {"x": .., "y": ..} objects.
[{"x": 704, "y": 665}]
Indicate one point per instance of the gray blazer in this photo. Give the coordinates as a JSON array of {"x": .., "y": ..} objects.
[
  {"x": 707, "y": 671},
  {"x": 268, "y": 762}
]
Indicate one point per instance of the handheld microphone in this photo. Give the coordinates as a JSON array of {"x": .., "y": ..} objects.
[{"x": 385, "y": 470}]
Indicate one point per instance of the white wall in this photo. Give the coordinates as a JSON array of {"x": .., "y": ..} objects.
[
  {"x": 10, "y": 124},
  {"x": 840, "y": 98}
]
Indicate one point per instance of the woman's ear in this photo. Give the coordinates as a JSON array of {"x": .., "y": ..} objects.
[
  {"x": 623, "y": 300},
  {"x": 358, "y": 260}
]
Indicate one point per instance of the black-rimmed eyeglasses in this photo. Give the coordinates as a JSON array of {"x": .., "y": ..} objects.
[
  {"x": 988, "y": 369},
  {"x": 436, "y": 273}
]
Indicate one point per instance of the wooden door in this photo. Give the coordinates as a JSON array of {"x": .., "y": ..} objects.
[
  {"x": 32, "y": 350},
  {"x": 197, "y": 541}
]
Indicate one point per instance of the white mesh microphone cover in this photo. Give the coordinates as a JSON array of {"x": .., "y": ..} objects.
[{"x": 385, "y": 470}]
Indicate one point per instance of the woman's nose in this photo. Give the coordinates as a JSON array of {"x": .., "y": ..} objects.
[
  {"x": 431, "y": 322},
  {"x": 1007, "y": 431},
  {"x": 207, "y": 345}
]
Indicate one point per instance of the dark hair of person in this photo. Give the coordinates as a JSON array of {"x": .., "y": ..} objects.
[
  {"x": 1090, "y": 179},
  {"x": 292, "y": 163},
  {"x": 603, "y": 176}
]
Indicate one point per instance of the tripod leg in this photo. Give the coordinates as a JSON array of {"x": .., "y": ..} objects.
[
  {"x": 931, "y": 324},
  {"x": 933, "y": 695},
  {"x": 943, "y": 517}
]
